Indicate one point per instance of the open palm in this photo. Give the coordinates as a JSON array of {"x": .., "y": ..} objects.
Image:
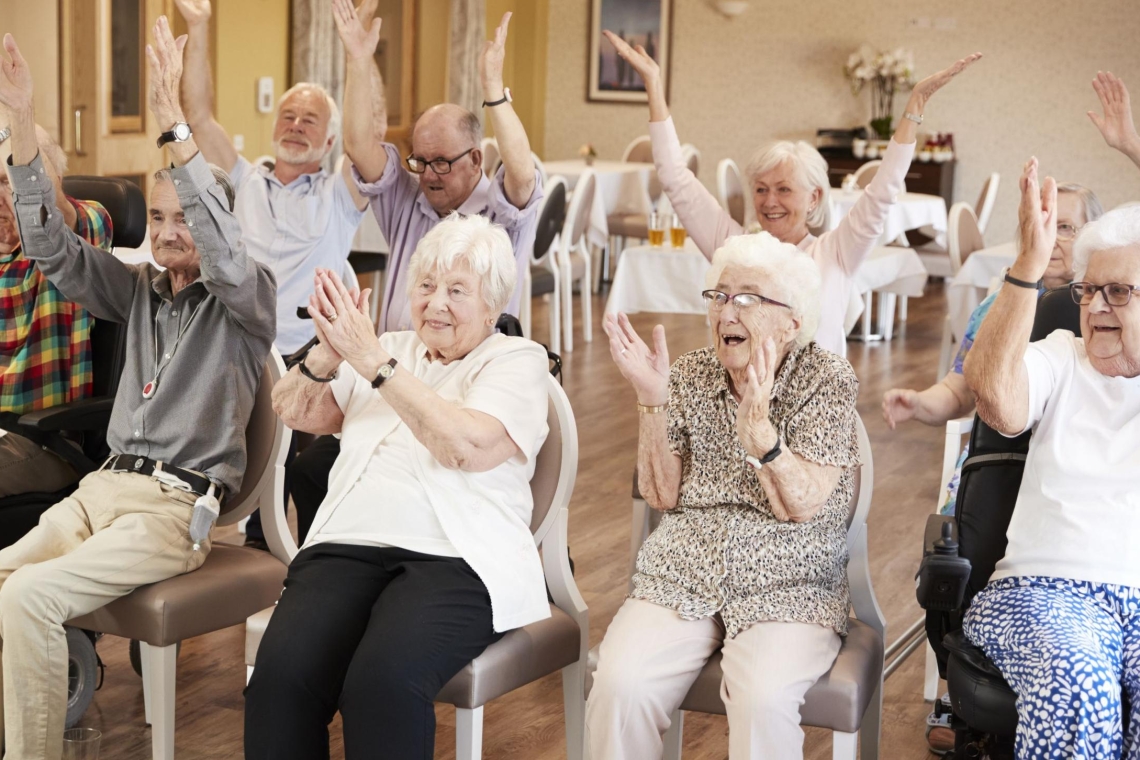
[
  {"x": 927, "y": 87},
  {"x": 647, "y": 370},
  {"x": 1116, "y": 125},
  {"x": 640, "y": 60},
  {"x": 15, "y": 77},
  {"x": 359, "y": 31}
]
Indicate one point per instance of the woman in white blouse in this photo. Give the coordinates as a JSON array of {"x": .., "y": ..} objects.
[{"x": 421, "y": 555}]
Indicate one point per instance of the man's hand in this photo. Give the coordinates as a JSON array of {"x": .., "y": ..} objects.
[
  {"x": 491, "y": 61},
  {"x": 194, "y": 11},
  {"x": 15, "y": 79},
  {"x": 359, "y": 31},
  {"x": 1037, "y": 222},
  {"x": 165, "y": 58},
  {"x": 1116, "y": 126}
]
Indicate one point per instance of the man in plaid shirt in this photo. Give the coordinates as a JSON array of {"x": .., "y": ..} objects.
[{"x": 45, "y": 340}]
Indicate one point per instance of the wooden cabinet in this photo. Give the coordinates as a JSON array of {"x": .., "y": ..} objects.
[{"x": 929, "y": 178}]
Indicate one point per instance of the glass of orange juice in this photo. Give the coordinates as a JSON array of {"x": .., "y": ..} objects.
[
  {"x": 677, "y": 233},
  {"x": 656, "y": 230}
]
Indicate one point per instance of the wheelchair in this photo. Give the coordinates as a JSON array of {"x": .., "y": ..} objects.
[
  {"x": 959, "y": 555},
  {"x": 77, "y": 431}
]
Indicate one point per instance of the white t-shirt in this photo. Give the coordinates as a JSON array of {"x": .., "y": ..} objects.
[{"x": 1078, "y": 511}]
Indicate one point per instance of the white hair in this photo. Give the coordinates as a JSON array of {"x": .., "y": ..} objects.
[
  {"x": 810, "y": 168},
  {"x": 482, "y": 244},
  {"x": 1116, "y": 229},
  {"x": 783, "y": 263},
  {"x": 334, "y": 111}
]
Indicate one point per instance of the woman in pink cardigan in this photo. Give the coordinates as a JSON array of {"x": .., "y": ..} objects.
[{"x": 789, "y": 186}]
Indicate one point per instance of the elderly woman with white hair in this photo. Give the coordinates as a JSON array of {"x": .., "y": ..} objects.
[
  {"x": 748, "y": 446},
  {"x": 421, "y": 555},
  {"x": 1060, "y": 616},
  {"x": 789, "y": 187}
]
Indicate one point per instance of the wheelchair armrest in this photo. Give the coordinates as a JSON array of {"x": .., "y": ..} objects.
[
  {"x": 943, "y": 575},
  {"x": 88, "y": 414}
]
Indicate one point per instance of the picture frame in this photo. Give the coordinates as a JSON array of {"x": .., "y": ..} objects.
[{"x": 645, "y": 22}]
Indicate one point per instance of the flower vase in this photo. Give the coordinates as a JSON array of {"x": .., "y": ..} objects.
[
  {"x": 882, "y": 127},
  {"x": 589, "y": 160}
]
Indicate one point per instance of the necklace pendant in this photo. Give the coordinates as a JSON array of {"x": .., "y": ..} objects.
[{"x": 150, "y": 388}]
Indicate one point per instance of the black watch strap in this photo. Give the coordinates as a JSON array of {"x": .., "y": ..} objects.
[
  {"x": 381, "y": 375},
  {"x": 1022, "y": 283},
  {"x": 505, "y": 99},
  {"x": 305, "y": 371},
  {"x": 775, "y": 452}
]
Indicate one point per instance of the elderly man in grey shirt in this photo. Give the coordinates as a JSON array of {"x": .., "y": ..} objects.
[{"x": 198, "y": 335}]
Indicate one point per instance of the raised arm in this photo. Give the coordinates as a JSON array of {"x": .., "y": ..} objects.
[
  {"x": 83, "y": 273},
  {"x": 365, "y": 112},
  {"x": 647, "y": 370},
  {"x": 995, "y": 367},
  {"x": 1116, "y": 125},
  {"x": 707, "y": 223},
  {"x": 198, "y": 87},
  {"x": 514, "y": 145}
]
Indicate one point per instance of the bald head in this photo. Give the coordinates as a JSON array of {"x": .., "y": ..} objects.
[
  {"x": 451, "y": 133},
  {"x": 450, "y": 118}
]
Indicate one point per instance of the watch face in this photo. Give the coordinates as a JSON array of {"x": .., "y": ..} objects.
[
  {"x": 181, "y": 132},
  {"x": 387, "y": 370}
]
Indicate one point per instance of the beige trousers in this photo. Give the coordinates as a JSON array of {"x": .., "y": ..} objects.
[
  {"x": 117, "y": 531},
  {"x": 650, "y": 657},
  {"x": 28, "y": 468}
]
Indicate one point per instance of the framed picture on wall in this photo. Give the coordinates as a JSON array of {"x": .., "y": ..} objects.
[{"x": 638, "y": 22}]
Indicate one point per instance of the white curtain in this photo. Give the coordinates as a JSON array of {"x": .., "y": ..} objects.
[
  {"x": 318, "y": 55},
  {"x": 468, "y": 33}
]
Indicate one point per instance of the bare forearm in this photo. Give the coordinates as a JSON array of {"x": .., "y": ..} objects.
[
  {"x": 797, "y": 489},
  {"x": 306, "y": 405},
  {"x": 364, "y": 100},
  {"x": 24, "y": 146},
  {"x": 942, "y": 402},
  {"x": 658, "y": 468},
  {"x": 1132, "y": 151},
  {"x": 995, "y": 369},
  {"x": 514, "y": 148},
  {"x": 197, "y": 81},
  {"x": 379, "y": 103}
]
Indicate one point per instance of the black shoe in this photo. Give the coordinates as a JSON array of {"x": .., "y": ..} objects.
[{"x": 256, "y": 543}]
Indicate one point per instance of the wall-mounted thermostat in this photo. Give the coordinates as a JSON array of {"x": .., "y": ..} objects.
[{"x": 265, "y": 95}]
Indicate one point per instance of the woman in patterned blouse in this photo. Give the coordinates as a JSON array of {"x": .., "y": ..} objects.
[{"x": 748, "y": 446}]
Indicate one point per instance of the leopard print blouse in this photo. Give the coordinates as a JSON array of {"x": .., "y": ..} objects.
[{"x": 721, "y": 550}]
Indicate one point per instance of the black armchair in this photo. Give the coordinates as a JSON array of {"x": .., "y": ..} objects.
[{"x": 959, "y": 555}]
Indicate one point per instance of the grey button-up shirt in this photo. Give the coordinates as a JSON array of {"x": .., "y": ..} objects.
[{"x": 197, "y": 416}]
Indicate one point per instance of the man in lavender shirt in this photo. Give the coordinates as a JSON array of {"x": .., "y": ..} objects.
[{"x": 445, "y": 164}]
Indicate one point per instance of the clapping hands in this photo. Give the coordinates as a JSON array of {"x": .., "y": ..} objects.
[
  {"x": 165, "y": 60},
  {"x": 647, "y": 370},
  {"x": 341, "y": 318}
]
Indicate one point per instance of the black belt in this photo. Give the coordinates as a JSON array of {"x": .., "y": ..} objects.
[{"x": 143, "y": 466}]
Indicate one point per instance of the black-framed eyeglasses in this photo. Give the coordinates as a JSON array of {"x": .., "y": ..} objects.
[
  {"x": 715, "y": 300},
  {"x": 438, "y": 165},
  {"x": 1115, "y": 293}
]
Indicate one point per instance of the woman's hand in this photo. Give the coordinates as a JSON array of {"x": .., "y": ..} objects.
[
  {"x": 923, "y": 91},
  {"x": 341, "y": 318},
  {"x": 359, "y": 30},
  {"x": 15, "y": 79},
  {"x": 647, "y": 371},
  {"x": 1037, "y": 222},
  {"x": 900, "y": 405},
  {"x": 752, "y": 424},
  {"x": 1116, "y": 126},
  {"x": 649, "y": 72}
]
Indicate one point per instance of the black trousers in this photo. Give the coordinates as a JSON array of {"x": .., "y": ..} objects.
[
  {"x": 306, "y": 480},
  {"x": 373, "y": 632}
]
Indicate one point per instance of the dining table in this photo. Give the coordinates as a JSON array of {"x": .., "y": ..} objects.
[
  {"x": 979, "y": 274},
  {"x": 910, "y": 211},
  {"x": 622, "y": 188}
]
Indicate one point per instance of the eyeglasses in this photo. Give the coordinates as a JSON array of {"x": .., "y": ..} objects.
[
  {"x": 1115, "y": 293},
  {"x": 1066, "y": 232},
  {"x": 438, "y": 165},
  {"x": 715, "y": 300}
]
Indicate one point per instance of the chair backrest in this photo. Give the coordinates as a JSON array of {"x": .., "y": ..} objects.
[
  {"x": 270, "y": 162},
  {"x": 551, "y": 217},
  {"x": 123, "y": 200},
  {"x": 985, "y": 205},
  {"x": 556, "y": 466},
  {"x": 490, "y": 148},
  {"x": 730, "y": 190},
  {"x": 541, "y": 167},
  {"x": 640, "y": 150},
  {"x": 962, "y": 236},
  {"x": 865, "y": 173},
  {"x": 578, "y": 215},
  {"x": 265, "y": 445}
]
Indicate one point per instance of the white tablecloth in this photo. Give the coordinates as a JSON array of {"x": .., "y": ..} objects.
[
  {"x": 909, "y": 212},
  {"x": 973, "y": 281},
  {"x": 622, "y": 188}
]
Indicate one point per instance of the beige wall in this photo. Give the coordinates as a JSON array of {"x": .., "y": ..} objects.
[
  {"x": 35, "y": 25},
  {"x": 524, "y": 69},
  {"x": 776, "y": 72}
]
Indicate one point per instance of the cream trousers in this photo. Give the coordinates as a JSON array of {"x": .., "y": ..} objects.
[
  {"x": 117, "y": 531},
  {"x": 650, "y": 657}
]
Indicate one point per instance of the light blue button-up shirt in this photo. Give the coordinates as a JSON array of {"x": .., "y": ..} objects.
[{"x": 293, "y": 229}]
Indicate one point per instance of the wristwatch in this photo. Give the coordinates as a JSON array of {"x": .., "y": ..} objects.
[
  {"x": 505, "y": 99},
  {"x": 758, "y": 464},
  {"x": 180, "y": 132},
  {"x": 387, "y": 369},
  {"x": 912, "y": 117}
]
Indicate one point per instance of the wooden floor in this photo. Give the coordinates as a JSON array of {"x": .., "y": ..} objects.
[{"x": 528, "y": 723}]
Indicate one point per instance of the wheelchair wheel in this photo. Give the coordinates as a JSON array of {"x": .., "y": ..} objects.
[
  {"x": 82, "y": 674},
  {"x": 136, "y": 656}
]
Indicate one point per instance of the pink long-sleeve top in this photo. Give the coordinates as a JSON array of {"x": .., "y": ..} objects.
[{"x": 838, "y": 252}]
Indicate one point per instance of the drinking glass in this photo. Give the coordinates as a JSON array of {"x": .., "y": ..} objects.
[
  {"x": 677, "y": 233},
  {"x": 81, "y": 744},
  {"x": 656, "y": 230}
]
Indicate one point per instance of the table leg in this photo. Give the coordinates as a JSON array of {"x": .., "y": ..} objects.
[
  {"x": 866, "y": 336},
  {"x": 887, "y": 315}
]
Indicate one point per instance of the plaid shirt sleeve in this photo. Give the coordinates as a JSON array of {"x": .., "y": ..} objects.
[{"x": 93, "y": 223}]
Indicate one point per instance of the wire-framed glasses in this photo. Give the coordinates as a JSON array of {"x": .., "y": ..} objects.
[{"x": 716, "y": 300}]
